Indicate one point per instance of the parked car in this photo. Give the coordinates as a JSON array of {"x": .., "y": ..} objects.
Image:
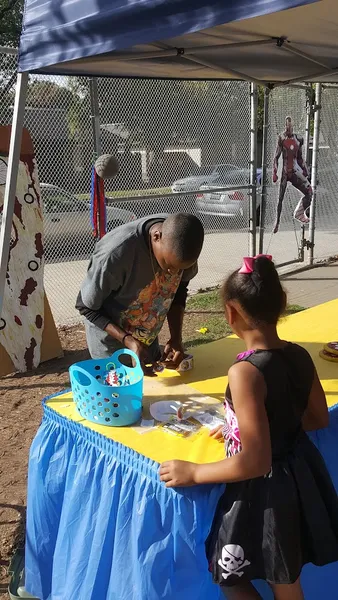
[
  {"x": 208, "y": 175},
  {"x": 233, "y": 204},
  {"x": 67, "y": 223}
]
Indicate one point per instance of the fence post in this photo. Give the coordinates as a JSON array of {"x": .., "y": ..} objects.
[
  {"x": 11, "y": 179},
  {"x": 314, "y": 169},
  {"x": 264, "y": 169},
  {"x": 95, "y": 115},
  {"x": 253, "y": 171}
]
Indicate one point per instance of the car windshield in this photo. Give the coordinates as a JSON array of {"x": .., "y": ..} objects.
[
  {"x": 206, "y": 170},
  {"x": 238, "y": 176},
  {"x": 55, "y": 200}
]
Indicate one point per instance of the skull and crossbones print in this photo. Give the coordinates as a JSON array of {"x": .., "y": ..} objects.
[{"x": 233, "y": 561}]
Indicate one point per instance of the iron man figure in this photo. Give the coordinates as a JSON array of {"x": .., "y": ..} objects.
[{"x": 294, "y": 171}]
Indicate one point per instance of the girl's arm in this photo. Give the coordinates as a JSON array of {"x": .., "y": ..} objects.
[
  {"x": 248, "y": 392},
  {"x": 316, "y": 415}
]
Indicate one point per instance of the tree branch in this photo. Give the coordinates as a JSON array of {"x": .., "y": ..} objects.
[{"x": 8, "y": 8}]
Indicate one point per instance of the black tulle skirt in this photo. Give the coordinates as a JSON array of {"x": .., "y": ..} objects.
[{"x": 270, "y": 527}]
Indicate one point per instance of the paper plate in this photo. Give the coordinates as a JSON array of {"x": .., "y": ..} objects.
[
  {"x": 165, "y": 409},
  {"x": 331, "y": 348},
  {"x": 328, "y": 356}
]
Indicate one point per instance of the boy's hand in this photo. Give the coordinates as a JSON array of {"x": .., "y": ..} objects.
[
  {"x": 173, "y": 354},
  {"x": 178, "y": 473},
  {"x": 142, "y": 351}
]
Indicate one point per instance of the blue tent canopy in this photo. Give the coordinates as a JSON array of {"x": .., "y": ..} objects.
[{"x": 257, "y": 40}]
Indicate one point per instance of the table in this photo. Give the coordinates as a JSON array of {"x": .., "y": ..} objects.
[{"x": 101, "y": 526}]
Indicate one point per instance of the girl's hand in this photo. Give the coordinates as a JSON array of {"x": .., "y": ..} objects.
[
  {"x": 217, "y": 433},
  {"x": 178, "y": 473}
]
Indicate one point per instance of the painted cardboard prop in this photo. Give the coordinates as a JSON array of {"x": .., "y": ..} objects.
[{"x": 294, "y": 171}]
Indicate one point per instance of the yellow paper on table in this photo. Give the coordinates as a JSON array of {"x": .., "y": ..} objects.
[
  {"x": 311, "y": 329},
  {"x": 157, "y": 444}
]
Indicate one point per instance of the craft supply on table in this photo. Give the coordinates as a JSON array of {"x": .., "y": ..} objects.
[
  {"x": 209, "y": 420},
  {"x": 332, "y": 347},
  {"x": 163, "y": 410},
  {"x": 116, "y": 405},
  {"x": 187, "y": 364},
  {"x": 181, "y": 427},
  {"x": 330, "y": 352}
]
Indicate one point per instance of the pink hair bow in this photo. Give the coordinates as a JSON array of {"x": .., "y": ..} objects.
[{"x": 249, "y": 261}]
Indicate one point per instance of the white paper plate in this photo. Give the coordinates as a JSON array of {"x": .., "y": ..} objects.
[{"x": 165, "y": 409}]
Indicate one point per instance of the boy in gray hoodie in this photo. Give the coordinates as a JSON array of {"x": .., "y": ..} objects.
[{"x": 137, "y": 277}]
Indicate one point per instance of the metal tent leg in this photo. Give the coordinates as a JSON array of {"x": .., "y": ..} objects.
[
  {"x": 314, "y": 170},
  {"x": 12, "y": 175},
  {"x": 95, "y": 116},
  {"x": 264, "y": 169},
  {"x": 253, "y": 171}
]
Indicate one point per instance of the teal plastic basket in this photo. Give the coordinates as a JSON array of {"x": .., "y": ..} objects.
[{"x": 98, "y": 402}]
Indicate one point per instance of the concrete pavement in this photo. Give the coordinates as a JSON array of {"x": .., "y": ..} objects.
[
  {"x": 312, "y": 287},
  {"x": 221, "y": 254}
]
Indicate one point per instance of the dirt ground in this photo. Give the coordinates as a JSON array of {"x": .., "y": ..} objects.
[{"x": 20, "y": 414}]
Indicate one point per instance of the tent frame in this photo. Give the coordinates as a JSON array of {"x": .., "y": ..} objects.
[{"x": 187, "y": 54}]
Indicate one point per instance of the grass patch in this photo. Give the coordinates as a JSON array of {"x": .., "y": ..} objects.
[
  {"x": 115, "y": 195},
  {"x": 291, "y": 309},
  {"x": 205, "y": 301},
  {"x": 205, "y": 310}
]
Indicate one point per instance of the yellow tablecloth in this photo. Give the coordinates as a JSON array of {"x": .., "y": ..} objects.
[{"x": 311, "y": 329}]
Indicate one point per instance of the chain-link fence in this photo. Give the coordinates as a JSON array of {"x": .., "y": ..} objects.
[
  {"x": 327, "y": 180},
  {"x": 178, "y": 143}
]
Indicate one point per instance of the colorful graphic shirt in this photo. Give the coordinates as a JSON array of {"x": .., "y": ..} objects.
[{"x": 145, "y": 315}]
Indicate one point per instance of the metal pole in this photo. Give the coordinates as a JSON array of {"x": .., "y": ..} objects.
[
  {"x": 308, "y": 124},
  {"x": 253, "y": 170},
  {"x": 309, "y": 102},
  {"x": 314, "y": 169},
  {"x": 264, "y": 169},
  {"x": 95, "y": 116},
  {"x": 11, "y": 179}
]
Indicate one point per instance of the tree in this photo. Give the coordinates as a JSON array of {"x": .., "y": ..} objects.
[{"x": 10, "y": 22}]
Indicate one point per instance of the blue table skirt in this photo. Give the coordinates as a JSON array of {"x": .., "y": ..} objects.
[{"x": 100, "y": 525}]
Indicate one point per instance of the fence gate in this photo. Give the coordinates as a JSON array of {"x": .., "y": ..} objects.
[{"x": 326, "y": 223}]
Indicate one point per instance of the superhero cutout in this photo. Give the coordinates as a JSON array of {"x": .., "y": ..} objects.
[{"x": 294, "y": 170}]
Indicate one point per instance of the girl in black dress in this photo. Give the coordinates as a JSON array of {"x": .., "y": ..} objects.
[{"x": 279, "y": 510}]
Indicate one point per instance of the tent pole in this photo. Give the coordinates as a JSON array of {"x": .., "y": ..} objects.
[
  {"x": 226, "y": 71},
  {"x": 314, "y": 170},
  {"x": 264, "y": 169},
  {"x": 289, "y": 48},
  {"x": 313, "y": 77},
  {"x": 309, "y": 103},
  {"x": 95, "y": 115},
  {"x": 253, "y": 170},
  {"x": 167, "y": 52},
  {"x": 11, "y": 179}
]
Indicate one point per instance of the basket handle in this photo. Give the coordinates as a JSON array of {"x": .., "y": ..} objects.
[
  {"x": 74, "y": 368},
  {"x": 122, "y": 351}
]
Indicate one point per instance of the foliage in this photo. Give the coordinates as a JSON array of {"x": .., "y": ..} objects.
[{"x": 10, "y": 22}]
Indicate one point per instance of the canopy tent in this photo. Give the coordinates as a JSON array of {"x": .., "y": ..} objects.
[{"x": 255, "y": 40}]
